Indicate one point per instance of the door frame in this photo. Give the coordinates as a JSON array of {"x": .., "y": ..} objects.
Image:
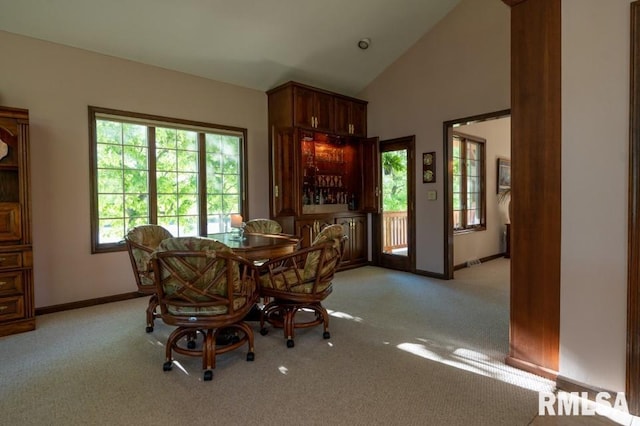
[
  {"x": 402, "y": 263},
  {"x": 448, "y": 127}
]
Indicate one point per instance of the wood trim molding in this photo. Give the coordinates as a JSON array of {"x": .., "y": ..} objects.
[
  {"x": 567, "y": 385},
  {"x": 534, "y": 335},
  {"x": 90, "y": 302},
  {"x": 532, "y": 368},
  {"x": 633, "y": 248}
]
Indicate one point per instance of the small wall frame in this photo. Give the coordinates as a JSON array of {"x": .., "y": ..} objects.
[
  {"x": 503, "y": 179},
  {"x": 429, "y": 167}
]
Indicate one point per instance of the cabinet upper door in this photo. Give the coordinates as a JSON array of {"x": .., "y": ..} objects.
[
  {"x": 359, "y": 119},
  {"x": 286, "y": 187},
  {"x": 350, "y": 117},
  {"x": 312, "y": 109},
  {"x": 370, "y": 166},
  {"x": 303, "y": 107},
  {"x": 342, "y": 116},
  {"x": 324, "y": 112}
]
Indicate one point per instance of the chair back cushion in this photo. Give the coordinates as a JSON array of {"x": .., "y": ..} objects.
[
  {"x": 192, "y": 277},
  {"x": 262, "y": 226},
  {"x": 142, "y": 240},
  {"x": 332, "y": 256}
]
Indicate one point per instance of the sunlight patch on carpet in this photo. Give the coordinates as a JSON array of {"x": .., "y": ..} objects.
[{"x": 477, "y": 363}]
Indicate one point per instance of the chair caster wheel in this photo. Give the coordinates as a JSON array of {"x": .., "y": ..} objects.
[
  {"x": 290, "y": 343},
  {"x": 208, "y": 375},
  {"x": 326, "y": 335},
  {"x": 251, "y": 356},
  {"x": 264, "y": 331},
  {"x": 149, "y": 329},
  {"x": 191, "y": 344},
  {"x": 167, "y": 366}
]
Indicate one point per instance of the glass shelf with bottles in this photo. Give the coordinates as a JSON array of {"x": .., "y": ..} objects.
[{"x": 326, "y": 182}]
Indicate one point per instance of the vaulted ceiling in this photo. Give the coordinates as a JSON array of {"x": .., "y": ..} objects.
[{"x": 251, "y": 43}]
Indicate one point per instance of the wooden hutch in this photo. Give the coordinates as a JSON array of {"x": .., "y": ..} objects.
[
  {"x": 324, "y": 169},
  {"x": 17, "y": 311}
]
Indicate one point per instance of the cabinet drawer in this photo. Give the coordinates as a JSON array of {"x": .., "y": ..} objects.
[
  {"x": 10, "y": 260},
  {"x": 11, "y": 308},
  {"x": 11, "y": 283}
]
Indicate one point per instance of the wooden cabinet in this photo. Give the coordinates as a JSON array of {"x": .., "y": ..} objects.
[
  {"x": 350, "y": 117},
  {"x": 308, "y": 228},
  {"x": 321, "y": 173},
  {"x": 17, "y": 311},
  {"x": 297, "y": 105},
  {"x": 355, "y": 228}
]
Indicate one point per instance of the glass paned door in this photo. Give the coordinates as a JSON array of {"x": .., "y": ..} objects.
[{"x": 396, "y": 223}]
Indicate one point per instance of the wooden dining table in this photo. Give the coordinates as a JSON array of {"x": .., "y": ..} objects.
[{"x": 255, "y": 247}]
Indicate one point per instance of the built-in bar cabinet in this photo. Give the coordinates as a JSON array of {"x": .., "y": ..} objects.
[{"x": 323, "y": 168}]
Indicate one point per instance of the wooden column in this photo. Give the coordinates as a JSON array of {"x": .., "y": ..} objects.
[
  {"x": 536, "y": 179},
  {"x": 633, "y": 252}
]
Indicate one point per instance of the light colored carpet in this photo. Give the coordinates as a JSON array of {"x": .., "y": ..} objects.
[{"x": 404, "y": 350}]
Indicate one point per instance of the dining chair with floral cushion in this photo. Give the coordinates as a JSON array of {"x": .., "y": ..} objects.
[
  {"x": 297, "y": 284},
  {"x": 205, "y": 291},
  {"x": 262, "y": 226},
  {"x": 141, "y": 241}
]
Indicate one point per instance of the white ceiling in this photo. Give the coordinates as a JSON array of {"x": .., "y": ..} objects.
[{"x": 252, "y": 43}]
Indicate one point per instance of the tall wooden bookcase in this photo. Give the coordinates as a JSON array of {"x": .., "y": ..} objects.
[{"x": 17, "y": 311}]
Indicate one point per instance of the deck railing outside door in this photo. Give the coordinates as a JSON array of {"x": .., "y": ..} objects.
[{"x": 395, "y": 231}]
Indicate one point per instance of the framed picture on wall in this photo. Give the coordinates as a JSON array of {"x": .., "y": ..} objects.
[
  {"x": 429, "y": 167},
  {"x": 504, "y": 175}
]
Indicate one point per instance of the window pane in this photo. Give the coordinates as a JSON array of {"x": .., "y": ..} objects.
[
  {"x": 457, "y": 224},
  {"x": 166, "y": 159},
  {"x": 108, "y": 132},
  {"x": 187, "y": 140},
  {"x": 110, "y": 206},
  {"x": 110, "y": 181},
  {"x": 473, "y": 217},
  {"x": 170, "y": 223},
  {"x": 215, "y": 225},
  {"x": 135, "y": 157},
  {"x": 188, "y": 226},
  {"x": 109, "y": 156},
  {"x": 166, "y": 138},
  {"x": 136, "y": 206},
  {"x": 134, "y": 134},
  {"x": 457, "y": 201},
  {"x": 136, "y": 181},
  {"x": 214, "y": 203},
  {"x": 111, "y": 230},
  {"x": 187, "y": 161}
]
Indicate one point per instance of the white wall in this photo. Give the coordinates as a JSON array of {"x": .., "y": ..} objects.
[
  {"x": 459, "y": 69},
  {"x": 595, "y": 121},
  {"x": 476, "y": 245},
  {"x": 56, "y": 84}
]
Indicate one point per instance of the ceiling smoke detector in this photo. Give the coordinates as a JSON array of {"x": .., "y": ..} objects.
[{"x": 364, "y": 43}]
